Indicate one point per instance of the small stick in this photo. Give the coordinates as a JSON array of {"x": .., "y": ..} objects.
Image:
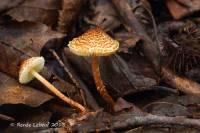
[
  {"x": 68, "y": 72},
  {"x": 64, "y": 67},
  {"x": 6, "y": 118},
  {"x": 132, "y": 121},
  {"x": 125, "y": 121}
]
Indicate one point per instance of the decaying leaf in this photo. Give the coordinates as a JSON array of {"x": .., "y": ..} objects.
[
  {"x": 127, "y": 41},
  {"x": 173, "y": 105},
  {"x": 181, "y": 8},
  {"x": 19, "y": 41},
  {"x": 14, "y": 93},
  {"x": 29, "y": 37},
  {"x": 68, "y": 14},
  {"x": 10, "y": 59},
  {"x": 43, "y": 4},
  {"x": 125, "y": 81},
  {"x": 7, "y": 4},
  {"x": 167, "y": 109},
  {"x": 103, "y": 15},
  {"x": 23, "y": 13},
  {"x": 36, "y": 11},
  {"x": 6, "y": 118}
]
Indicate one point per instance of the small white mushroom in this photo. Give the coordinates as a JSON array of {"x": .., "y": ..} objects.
[{"x": 30, "y": 69}]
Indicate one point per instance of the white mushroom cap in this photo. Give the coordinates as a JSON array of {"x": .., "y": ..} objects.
[{"x": 34, "y": 63}]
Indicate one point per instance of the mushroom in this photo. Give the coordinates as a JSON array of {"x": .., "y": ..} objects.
[
  {"x": 30, "y": 68},
  {"x": 95, "y": 42}
]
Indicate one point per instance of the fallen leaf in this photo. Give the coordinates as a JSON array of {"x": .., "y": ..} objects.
[
  {"x": 127, "y": 41},
  {"x": 120, "y": 79},
  {"x": 6, "y": 118},
  {"x": 103, "y": 15},
  {"x": 167, "y": 109},
  {"x": 123, "y": 105},
  {"x": 29, "y": 37},
  {"x": 181, "y": 8},
  {"x": 8, "y": 4},
  {"x": 43, "y": 11},
  {"x": 23, "y": 13},
  {"x": 19, "y": 41},
  {"x": 174, "y": 105},
  {"x": 14, "y": 93},
  {"x": 68, "y": 14},
  {"x": 43, "y": 4}
]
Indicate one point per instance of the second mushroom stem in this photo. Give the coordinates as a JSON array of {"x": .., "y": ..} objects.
[
  {"x": 99, "y": 83},
  {"x": 57, "y": 92}
]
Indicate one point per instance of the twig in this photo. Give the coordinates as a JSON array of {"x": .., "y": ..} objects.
[
  {"x": 68, "y": 72},
  {"x": 6, "y": 118},
  {"x": 125, "y": 121},
  {"x": 105, "y": 122},
  {"x": 64, "y": 67},
  {"x": 88, "y": 98},
  {"x": 182, "y": 84}
]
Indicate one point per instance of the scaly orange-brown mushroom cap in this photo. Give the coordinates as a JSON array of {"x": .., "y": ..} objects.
[{"x": 94, "y": 42}]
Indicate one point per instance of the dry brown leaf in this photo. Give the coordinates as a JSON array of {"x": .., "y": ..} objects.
[
  {"x": 43, "y": 11},
  {"x": 167, "y": 109},
  {"x": 127, "y": 40},
  {"x": 14, "y": 93},
  {"x": 24, "y": 13},
  {"x": 10, "y": 59},
  {"x": 68, "y": 14},
  {"x": 181, "y": 8},
  {"x": 117, "y": 75},
  {"x": 29, "y": 38},
  {"x": 19, "y": 41},
  {"x": 7, "y": 4},
  {"x": 174, "y": 105},
  {"x": 43, "y": 4},
  {"x": 104, "y": 15}
]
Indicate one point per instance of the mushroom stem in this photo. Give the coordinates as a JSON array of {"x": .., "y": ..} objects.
[
  {"x": 57, "y": 92},
  {"x": 99, "y": 83}
]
